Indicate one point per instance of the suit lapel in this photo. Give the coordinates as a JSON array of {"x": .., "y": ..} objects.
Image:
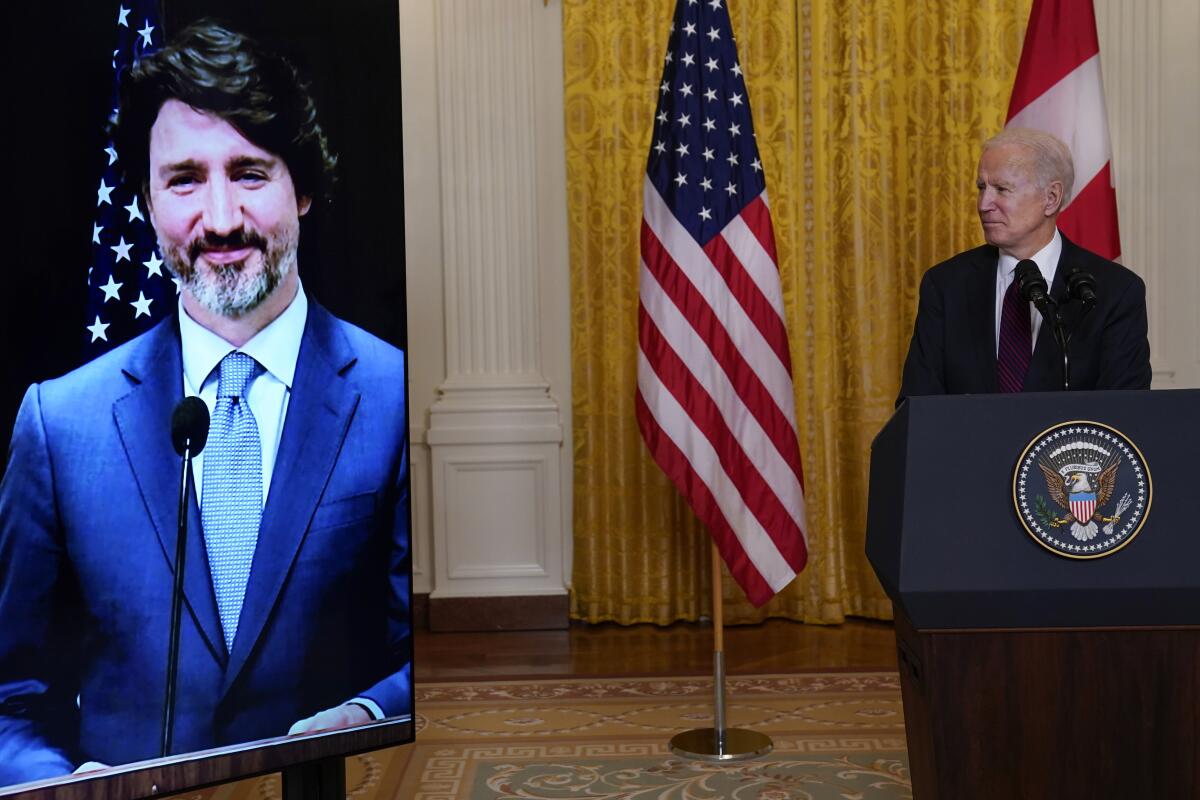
[
  {"x": 320, "y": 408},
  {"x": 143, "y": 422},
  {"x": 981, "y": 304}
]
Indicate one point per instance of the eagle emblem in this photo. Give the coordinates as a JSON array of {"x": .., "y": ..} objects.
[{"x": 1081, "y": 489}]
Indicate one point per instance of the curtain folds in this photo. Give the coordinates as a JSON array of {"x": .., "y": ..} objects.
[{"x": 869, "y": 116}]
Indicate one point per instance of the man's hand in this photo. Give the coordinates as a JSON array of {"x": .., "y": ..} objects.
[{"x": 344, "y": 716}]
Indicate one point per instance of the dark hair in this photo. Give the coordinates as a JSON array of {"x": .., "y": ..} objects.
[{"x": 214, "y": 69}]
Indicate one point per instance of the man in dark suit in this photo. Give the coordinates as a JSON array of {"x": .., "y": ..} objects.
[
  {"x": 296, "y": 614},
  {"x": 974, "y": 332}
]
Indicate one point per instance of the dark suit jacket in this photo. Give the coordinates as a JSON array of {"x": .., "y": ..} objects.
[
  {"x": 953, "y": 348},
  {"x": 87, "y": 541}
]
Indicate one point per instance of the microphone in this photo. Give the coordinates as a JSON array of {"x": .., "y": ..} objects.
[
  {"x": 1082, "y": 286},
  {"x": 189, "y": 426},
  {"x": 1032, "y": 285},
  {"x": 189, "y": 434}
]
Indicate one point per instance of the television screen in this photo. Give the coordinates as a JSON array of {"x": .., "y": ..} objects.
[{"x": 206, "y": 204}]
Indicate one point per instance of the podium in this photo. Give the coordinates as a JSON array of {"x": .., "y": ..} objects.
[{"x": 1026, "y": 673}]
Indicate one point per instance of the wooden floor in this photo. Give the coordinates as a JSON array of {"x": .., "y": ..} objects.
[{"x": 680, "y": 649}]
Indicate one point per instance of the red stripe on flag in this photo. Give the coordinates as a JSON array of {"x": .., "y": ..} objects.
[
  {"x": 1061, "y": 35},
  {"x": 746, "y": 383},
  {"x": 758, "y": 495},
  {"x": 743, "y": 288},
  {"x": 1091, "y": 219},
  {"x": 758, "y": 218},
  {"x": 673, "y": 462}
]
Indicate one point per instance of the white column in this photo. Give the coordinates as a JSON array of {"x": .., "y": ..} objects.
[
  {"x": 498, "y": 468},
  {"x": 1151, "y": 65},
  {"x": 423, "y": 265}
]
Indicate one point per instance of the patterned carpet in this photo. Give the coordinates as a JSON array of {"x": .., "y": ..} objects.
[{"x": 837, "y": 736}]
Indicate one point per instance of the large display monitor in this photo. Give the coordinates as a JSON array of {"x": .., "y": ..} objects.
[{"x": 192, "y": 177}]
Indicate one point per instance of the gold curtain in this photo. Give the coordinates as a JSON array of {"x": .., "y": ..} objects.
[{"x": 869, "y": 116}]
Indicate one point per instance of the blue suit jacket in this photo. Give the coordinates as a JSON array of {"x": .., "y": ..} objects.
[{"x": 88, "y": 512}]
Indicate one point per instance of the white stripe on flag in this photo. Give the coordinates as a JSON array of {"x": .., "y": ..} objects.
[
  {"x": 695, "y": 264},
  {"x": 675, "y": 423},
  {"x": 1073, "y": 110},
  {"x": 699, "y": 360},
  {"x": 757, "y": 261}
]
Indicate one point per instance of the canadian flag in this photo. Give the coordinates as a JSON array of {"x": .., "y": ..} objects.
[{"x": 1059, "y": 90}]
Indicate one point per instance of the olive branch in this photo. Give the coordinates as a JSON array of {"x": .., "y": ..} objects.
[{"x": 1042, "y": 511}]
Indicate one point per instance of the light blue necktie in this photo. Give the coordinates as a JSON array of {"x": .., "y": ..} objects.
[{"x": 231, "y": 498}]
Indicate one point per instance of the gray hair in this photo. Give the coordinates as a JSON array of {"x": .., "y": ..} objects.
[{"x": 1051, "y": 157}]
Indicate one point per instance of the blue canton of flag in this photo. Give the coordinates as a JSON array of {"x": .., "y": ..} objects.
[
  {"x": 129, "y": 288},
  {"x": 704, "y": 161}
]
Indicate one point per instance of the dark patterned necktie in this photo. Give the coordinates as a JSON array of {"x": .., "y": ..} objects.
[
  {"x": 1016, "y": 340},
  {"x": 231, "y": 500}
]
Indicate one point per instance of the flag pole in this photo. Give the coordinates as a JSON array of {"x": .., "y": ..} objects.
[{"x": 719, "y": 743}]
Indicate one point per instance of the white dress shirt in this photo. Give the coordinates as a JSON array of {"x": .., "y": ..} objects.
[
  {"x": 1006, "y": 265},
  {"x": 276, "y": 347}
]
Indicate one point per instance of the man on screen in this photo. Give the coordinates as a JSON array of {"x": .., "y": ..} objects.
[
  {"x": 297, "y": 573},
  {"x": 975, "y": 333}
]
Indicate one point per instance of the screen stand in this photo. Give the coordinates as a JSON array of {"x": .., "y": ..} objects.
[{"x": 316, "y": 780}]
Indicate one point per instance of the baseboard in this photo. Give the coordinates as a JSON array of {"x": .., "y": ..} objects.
[
  {"x": 509, "y": 613},
  {"x": 420, "y": 611}
]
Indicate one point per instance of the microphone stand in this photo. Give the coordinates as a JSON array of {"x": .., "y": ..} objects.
[
  {"x": 185, "y": 487},
  {"x": 1063, "y": 336},
  {"x": 1080, "y": 286},
  {"x": 1052, "y": 315}
]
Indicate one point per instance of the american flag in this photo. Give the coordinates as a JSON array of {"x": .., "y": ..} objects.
[
  {"x": 129, "y": 288},
  {"x": 714, "y": 401}
]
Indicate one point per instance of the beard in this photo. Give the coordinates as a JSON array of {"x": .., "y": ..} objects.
[{"x": 233, "y": 290}]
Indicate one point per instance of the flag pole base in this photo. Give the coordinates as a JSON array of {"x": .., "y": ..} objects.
[{"x": 737, "y": 744}]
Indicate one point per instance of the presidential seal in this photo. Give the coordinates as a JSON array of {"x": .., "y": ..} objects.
[{"x": 1082, "y": 489}]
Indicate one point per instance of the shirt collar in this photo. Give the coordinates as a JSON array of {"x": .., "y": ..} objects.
[
  {"x": 1046, "y": 259},
  {"x": 276, "y": 347}
]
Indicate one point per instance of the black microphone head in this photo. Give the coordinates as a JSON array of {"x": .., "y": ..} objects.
[
  {"x": 1029, "y": 279},
  {"x": 1081, "y": 284},
  {"x": 189, "y": 425}
]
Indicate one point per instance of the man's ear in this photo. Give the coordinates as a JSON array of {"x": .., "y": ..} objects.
[
  {"x": 1054, "y": 196},
  {"x": 303, "y": 204}
]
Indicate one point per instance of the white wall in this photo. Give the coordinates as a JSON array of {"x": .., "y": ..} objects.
[{"x": 1150, "y": 56}]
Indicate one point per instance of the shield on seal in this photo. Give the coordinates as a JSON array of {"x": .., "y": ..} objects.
[{"x": 1083, "y": 506}]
